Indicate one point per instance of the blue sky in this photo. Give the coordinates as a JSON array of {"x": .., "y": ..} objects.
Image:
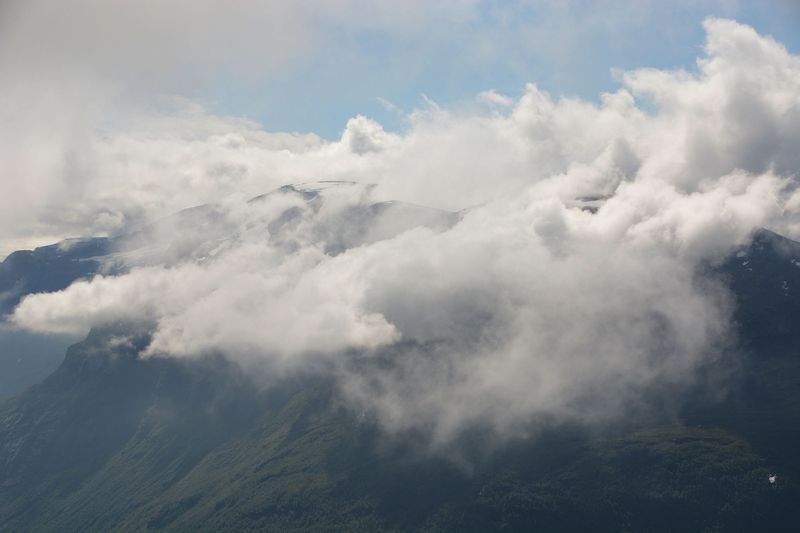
[{"x": 566, "y": 48}]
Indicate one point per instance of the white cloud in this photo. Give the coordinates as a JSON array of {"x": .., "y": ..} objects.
[
  {"x": 528, "y": 307},
  {"x": 493, "y": 98},
  {"x": 388, "y": 105}
]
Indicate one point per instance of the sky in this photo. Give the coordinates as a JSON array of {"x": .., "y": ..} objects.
[
  {"x": 489, "y": 45},
  {"x": 310, "y": 66},
  {"x": 481, "y": 294},
  {"x": 73, "y": 72}
]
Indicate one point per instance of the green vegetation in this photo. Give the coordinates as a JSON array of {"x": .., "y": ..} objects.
[
  {"x": 113, "y": 442},
  {"x": 128, "y": 444}
]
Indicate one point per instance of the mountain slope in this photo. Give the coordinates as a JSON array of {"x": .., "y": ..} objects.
[
  {"x": 191, "y": 234},
  {"x": 115, "y": 441},
  {"x": 112, "y": 441}
]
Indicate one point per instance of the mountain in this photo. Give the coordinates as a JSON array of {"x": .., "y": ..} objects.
[
  {"x": 26, "y": 359},
  {"x": 191, "y": 233},
  {"x": 48, "y": 268},
  {"x": 113, "y": 441}
]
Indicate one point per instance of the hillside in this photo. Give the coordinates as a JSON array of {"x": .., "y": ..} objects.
[{"x": 112, "y": 441}]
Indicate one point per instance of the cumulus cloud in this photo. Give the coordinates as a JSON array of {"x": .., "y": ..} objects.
[{"x": 556, "y": 272}]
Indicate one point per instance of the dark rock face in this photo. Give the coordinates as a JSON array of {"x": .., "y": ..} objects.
[
  {"x": 48, "y": 268},
  {"x": 765, "y": 278}
]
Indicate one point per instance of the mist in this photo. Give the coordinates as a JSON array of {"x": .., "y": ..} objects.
[{"x": 519, "y": 259}]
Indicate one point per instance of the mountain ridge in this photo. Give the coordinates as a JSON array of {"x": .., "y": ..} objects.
[{"x": 115, "y": 441}]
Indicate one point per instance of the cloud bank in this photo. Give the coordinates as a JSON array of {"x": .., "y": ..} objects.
[{"x": 557, "y": 269}]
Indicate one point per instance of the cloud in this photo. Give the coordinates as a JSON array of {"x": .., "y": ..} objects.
[
  {"x": 85, "y": 88},
  {"x": 558, "y": 271},
  {"x": 493, "y": 98},
  {"x": 362, "y": 135},
  {"x": 171, "y": 47},
  {"x": 73, "y": 78},
  {"x": 388, "y": 105}
]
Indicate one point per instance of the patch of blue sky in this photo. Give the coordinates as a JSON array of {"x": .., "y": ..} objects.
[{"x": 566, "y": 48}]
